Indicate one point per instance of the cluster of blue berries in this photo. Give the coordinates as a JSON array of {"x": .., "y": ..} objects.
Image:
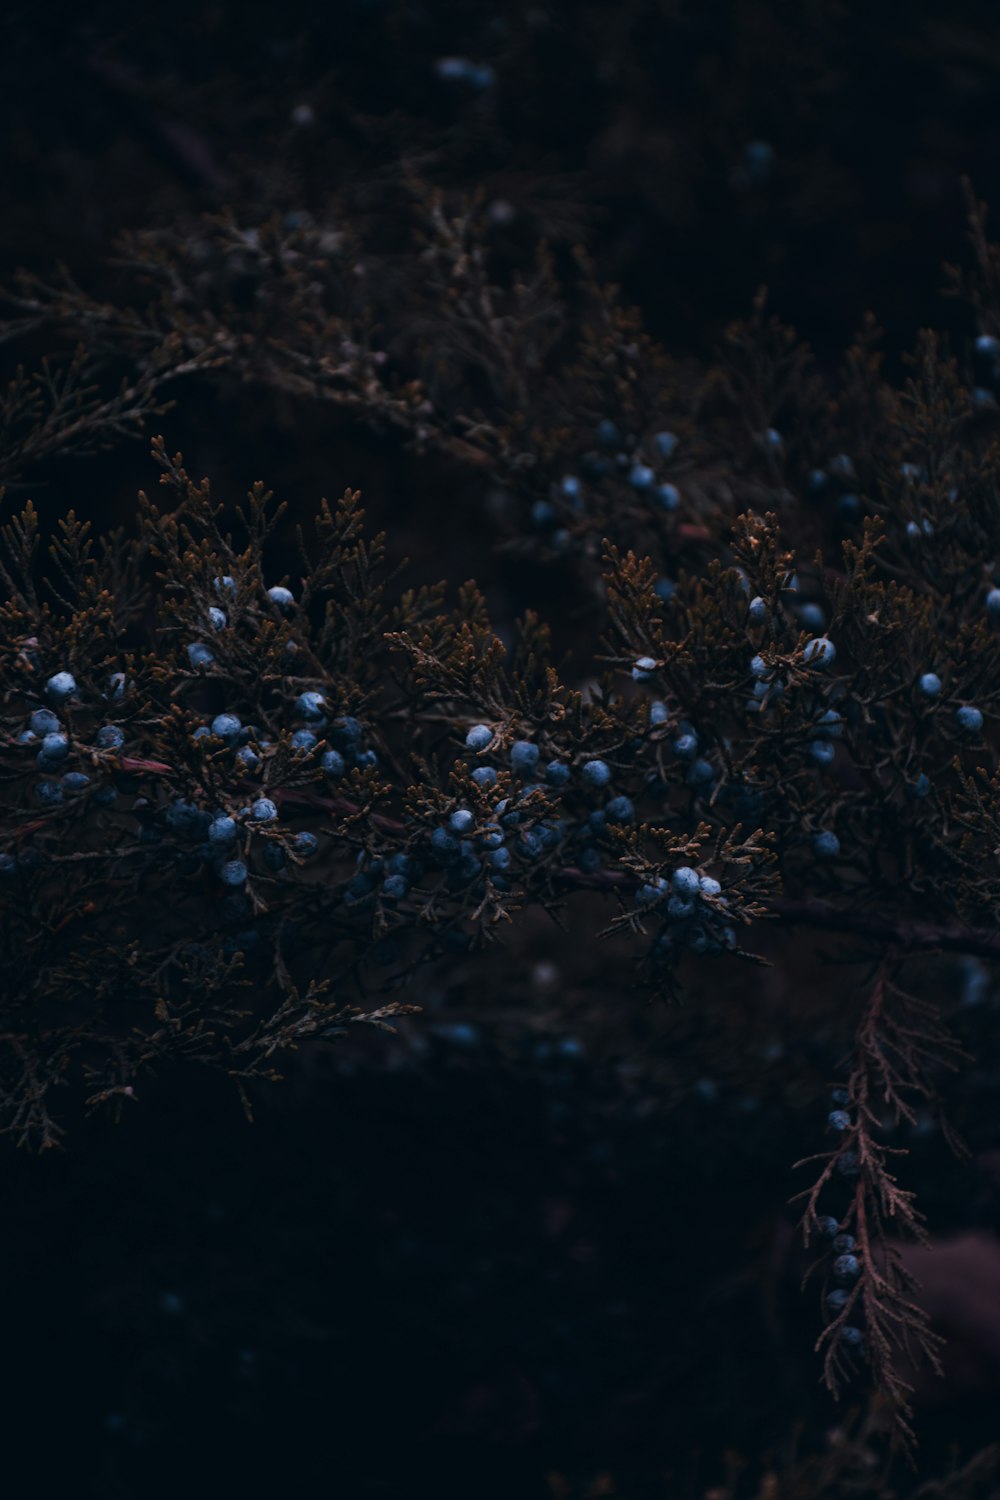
[
  {"x": 846, "y": 1267},
  {"x": 640, "y": 464},
  {"x": 694, "y": 912}
]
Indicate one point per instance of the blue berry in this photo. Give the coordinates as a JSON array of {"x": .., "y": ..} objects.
[
  {"x": 664, "y": 588},
  {"x": 842, "y": 465},
  {"x": 222, "y": 830},
  {"x": 274, "y": 857},
  {"x": 641, "y": 477},
  {"x": 524, "y": 757},
  {"x": 333, "y": 763},
  {"x": 993, "y": 604},
  {"x": 395, "y": 887},
  {"x": 499, "y": 859},
  {"x": 848, "y": 1164},
  {"x": 846, "y": 1267},
  {"x": 651, "y": 892},
  {"x": 529, "y": 844},
  {"x": 822, "y": 752},
  {"x": 366, "y": 760},
  {"x": 969, "y": 718},
  {"x": 643, "y": 668},
  {"x": 773, "y": 438},
  {"x": 686, "y": 746},
  {"x": 849, "y": 507},
  {"x": 217, "y": 618},
  {"x": 658, "y": 712},
  {"x": 760, "y": 669},
  {"x": 852, "y": 1337},
  {"x": 306, "y": 843},
  {"x": 75, "y": 781},
  {"x": 248, "y": 758},
  {"x": 484, "y": 776},
  {"x": 666, "y": 444},
  {"x": 709, "y": 887},
  {"x": 836, "y": 1300},
  {"x": 570, "y": 486},
  {"x": 557, "y": 773},
  {"x": 49, "y": 793},
  {"x": 461, "y": 820},
  {"x": 828, "y": 1225},
  {"x": 479, "y": 737},
  {"x": 105, "y": 796},
  {"x": 826, "y": 845},
  {"x": 988, "y": 348},
  {"x": 596, "y": 772},
  {"x": 668, "y": 496},
  {"x": 843, "y": 1243},
  {"x": 930, "y": 684},
  {"x": 839, "y": 1119},
  {"x": 233, "y": 872},
  {"x": 8, "y": 866},
  {"x": 225, "y": 584},
  {"x": 304, "y": 739},
  {"x": 820, "y": 651},
  {"x": 43, "y": 721},
  {"x": 701, "y": 773},
  {"x": 282, "y": 597},
  {"x": 620, "y": 810},
  {"x": 310, "y": 705},
  {"x": 199, "y": 655},
  {"x": 109, "y": 737},
  {"x": 590, "y": 860},
  {"x": 757, "y": 609},
  {"x": 679, "y": 909},
  {"x": 597, "y": 821},
  {"x": 922, "y": 785},
  {"x": 543, "y": 513},
  {"x": 817, "y": 482},
  {"x": 226, "y": 727},
  {"x": 608, "y": 434},
  {"x": 829, "y": 725},
  {"x": 443, "y": 843},
  {"x": 264, "y": 810},
  {"x": 685, "y": 881},
  {"x": 812, "y": 616},
  {"x": 55, "y": 747},
  {"x": 61, "y": 686}
]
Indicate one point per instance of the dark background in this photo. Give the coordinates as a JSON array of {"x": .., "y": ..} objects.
[{"x": 543, "y": 1232}]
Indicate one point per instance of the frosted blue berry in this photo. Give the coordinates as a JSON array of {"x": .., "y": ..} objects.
[
  {"x": 222, "y": 830},
  {"x": 643, "y": 668},
  {"x": 757, "y": 609},
  {"x": 461, "y": 820},
  {"x": 543, "y": 513},
  {"x": 596, "y": 772},
  {"x": 557, "y": 773},
  {"x": 304, "y": 739},
  {"x": 443, "y": 843},
  {"x": 679, "y": 908},
  {"x": 816, "y": 482},
  {"x": 829, "y": 725},
  {"x": 969, "y": 718},
  {"x": 274, "y": 857},
  {"x": 484, "y": 776},
  {"x": 49, "y": 793},
  {"x": 305, "y": 843},
  {"x": 666, "y": 444},
  {"x": 310, "y": 705},
  {"x": 27, "y": 737},
  {"x": 55, "y": 747},
  {"x": 217, "y": 618},
  {"x": 109, "y": 737},
  {"x": 701, "y": 773},
  {"x": 930, "y": 685},
  {"x": 264, "y": 810},
  {"x": 812, "y": 616},
  {"x": 641, "y": 477},
  {"x": 820, "y": 651},
  {"x": 842, "y": 465},
  {"x": 773, "y": 438},
  {"x": 848, "y": 1164},
  {"x": 822, "y": 752},
  {"x": 608, "y": 434},
  {"x": 61, "y": 686},
  {"x": 8, "y": 866},
  {"x": 570, "y": 486},
  {"x": 843, "y": 1243},
  {"x": 709, "y": 887},
  {"x": 760, "y": 669},
  {"x": 282, "y": 597},
  {"x": 988, "y": 348},
  {"x": 849, "y": 507},
  {"x": 589, "y": 861},
  {"x": 768, "y": 690},
  {"x": 993, "y": 604},
  {"x": 836, "y": 1300},
  {"x": 664, "y": 588},
  {"x": 828, "y": 1225},
  {"x": 225, "y": 584},
  {"x": 652, "y": 891},
  {"x": 499, "y": 859},
  {"x": 922, "y": 785},
  {"x": 75, "y": 781},
  {"x": 839, "y": 1119},
  {"x": 395, "y": 887},
  {"x": 199, "y": 655},
  {"x": 333, "y": 763},
  {"x": 366, "y": 760},
  {"x": 685, "y": 881},
  {"x": 524, "y": 757},
  {"x": 43, "y": 721},
  {"x": 852, "y": 1337},
  {"x": 658, "y": 712},
  {"x": 479, "y": 737},
  {"x": 620, "y": 810},
  {"x": 686, "y": 746},
  {"x": 826, "y": 845},
  {"x": 248, "y": 758},
  {"x": 846, "y": 1267},
  {"x": 668, "y": 496},
  {"x": 226, "y": 727},
  {"x": 913, "y": 530},
  {"x": 233, "y": 872}
]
